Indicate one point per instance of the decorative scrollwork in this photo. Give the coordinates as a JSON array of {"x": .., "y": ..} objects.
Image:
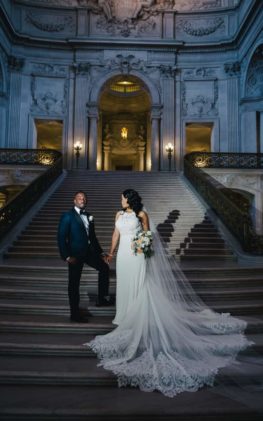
[
  {"x": 58, "y": 25},
  {"x": 189, "y": 29}
]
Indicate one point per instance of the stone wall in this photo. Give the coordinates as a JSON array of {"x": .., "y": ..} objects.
[{"x": 198, "y": 59}]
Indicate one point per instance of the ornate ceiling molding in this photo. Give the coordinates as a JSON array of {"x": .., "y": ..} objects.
[{"x": 113, "y": 8}]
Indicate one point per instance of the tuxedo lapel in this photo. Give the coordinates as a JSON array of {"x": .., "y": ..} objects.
[{"x": 78, "y": 218}]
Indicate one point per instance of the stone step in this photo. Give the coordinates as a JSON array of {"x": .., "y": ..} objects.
[
  {"x": 220, "y": 272},
  {"x": 91, "y": 281},
  {"x": 206, "y": 245},
  {"x": 60, "y": 324},
  {"x": 17, "y": 324},
  {"x": 29, "y": 307},
  {"x": 53, "y": 370},
  {"x": 75, "y": 371},
  {"x": 213, "y": 235},
  {"x": 215, "y": 273},
  {"x": 52, "y": 294},
  {"x": 213, "y": 258},
  {"x": 127, "y": 404},
  {"x": 25, "y": 345},
  {"x": 207, "y": 251},
  {"x": 201, "y": 240},
  {"x": 26, "y": 255}
]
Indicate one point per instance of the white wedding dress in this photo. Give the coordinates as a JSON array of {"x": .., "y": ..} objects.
[
  {"x": 167, "y": 339},
  {"x": 130, "y": 269}
]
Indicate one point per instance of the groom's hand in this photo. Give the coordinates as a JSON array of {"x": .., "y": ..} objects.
[{"x": 71, "y": 260}]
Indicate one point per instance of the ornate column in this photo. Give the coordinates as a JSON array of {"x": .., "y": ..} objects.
[
  {"x": 155, "y": 144},
  {"x": 179, "y": 147},
  {"x": 93, "y": 135},
  {"x": 233, "y": 72},
  {"x": 15, "y": 66},
  {"x": 168, "y": 135},
  {"x": 78, "y": 122}
]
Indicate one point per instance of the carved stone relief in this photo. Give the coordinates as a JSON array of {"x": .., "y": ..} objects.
[
  {"x": 50, "y": 23},
  {"x": 128, "y": 17},
  {"x": 49, "y": 96},
  {"x": 201, "y": 27},
  {"x": 125, "y": 63},
  {"x": 254, "y": 82},
  {"x": 195, "y": 103},
  {"x": 48, "y": 69},
  {"x": 200, "y": 72}
]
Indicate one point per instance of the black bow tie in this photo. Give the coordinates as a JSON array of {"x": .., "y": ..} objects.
[{"x": 82, "y": 212}]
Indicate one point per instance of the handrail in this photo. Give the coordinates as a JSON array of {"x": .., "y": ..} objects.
[
  {"x": 18, "y": 206},
  {"x": 237, "y": 220}
]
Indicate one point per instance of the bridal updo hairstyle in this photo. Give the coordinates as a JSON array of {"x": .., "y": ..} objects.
[{"x": 134, "y": 200}]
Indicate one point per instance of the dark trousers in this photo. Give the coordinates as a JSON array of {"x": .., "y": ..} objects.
[{"x": 74, "y": 275}]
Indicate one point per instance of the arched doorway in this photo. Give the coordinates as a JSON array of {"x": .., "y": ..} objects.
[{"x": 124, "y": 129}]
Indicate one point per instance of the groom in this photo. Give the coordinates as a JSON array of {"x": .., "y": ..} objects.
[{"x": 78, "y": 244}]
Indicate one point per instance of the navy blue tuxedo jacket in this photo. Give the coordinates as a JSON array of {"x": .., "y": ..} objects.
[{"x": 73, "y": 239}]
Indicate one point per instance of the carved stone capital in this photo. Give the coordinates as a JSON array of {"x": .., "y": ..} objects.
[
  {"x": 92, "y": 109},
  {"x": 156, "y": 112},
  {"x": 83, "y": 68},
  {"x": 233, "y": 68},
  {"x": 168, "y": 71},
  {"x": 15, "y": 64}
]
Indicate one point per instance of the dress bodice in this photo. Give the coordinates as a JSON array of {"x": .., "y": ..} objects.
[{"x": 128, "y": 223}]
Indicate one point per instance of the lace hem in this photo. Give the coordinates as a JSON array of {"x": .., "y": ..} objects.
[{"x": 169, "y": 373}]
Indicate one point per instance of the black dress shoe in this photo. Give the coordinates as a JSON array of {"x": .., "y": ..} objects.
[
  {"x": 79, "y": 319},
  {"x": 106, "y": 301}
]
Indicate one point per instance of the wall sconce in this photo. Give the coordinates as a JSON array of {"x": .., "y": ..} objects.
[
  {"x": 77, "y": 148},
  {"x": 169, "y": 149},
  {"x": 124, "y": 133}
]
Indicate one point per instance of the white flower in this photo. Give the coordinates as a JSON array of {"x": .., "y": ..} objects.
[{"x": 91, "y": 218}]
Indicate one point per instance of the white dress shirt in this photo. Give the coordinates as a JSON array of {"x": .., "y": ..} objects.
[{"x": 84, "y": 219}]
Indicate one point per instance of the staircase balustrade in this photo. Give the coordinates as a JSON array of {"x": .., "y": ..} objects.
[
  {"x": 236, "y": 219},
  {"x": 19, "y": 205}
]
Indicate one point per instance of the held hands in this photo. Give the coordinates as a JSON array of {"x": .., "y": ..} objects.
[{"x": 108, "y": 258}]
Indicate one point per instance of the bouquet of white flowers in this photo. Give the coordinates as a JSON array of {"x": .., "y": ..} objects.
[{"x": 142, "y": 243}]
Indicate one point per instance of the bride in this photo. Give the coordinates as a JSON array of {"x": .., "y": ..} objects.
[{"x": 166, "y": 339}]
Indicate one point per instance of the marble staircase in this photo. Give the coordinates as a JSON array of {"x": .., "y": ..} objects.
[{"x": 45, "y": 372}]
